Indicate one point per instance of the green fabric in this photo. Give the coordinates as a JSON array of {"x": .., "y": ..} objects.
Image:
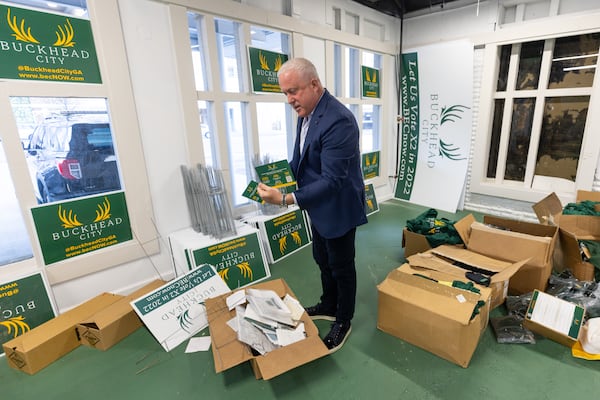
[
  {"x": 480, "y": 303},
  {"x": 585, "y": 207},
  {"x": 465, "y": 286},
  {"x": 436, "y": 230},
  {"x": 594, "y": 248}
]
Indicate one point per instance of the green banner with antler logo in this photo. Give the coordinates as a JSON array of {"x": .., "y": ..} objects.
[
  {"x": 370, "y": 165},
  {"x": 46, "y": 47},
  {"x": 72, "y": 228},
  {"x": 370, "y": 82},
  {"x": 24, "y": 304},
  {"x": 286, "y": 234},
  {"x": 264, "y": 65}
]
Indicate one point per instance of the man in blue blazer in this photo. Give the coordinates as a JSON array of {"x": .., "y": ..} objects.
[{"x": 326, "y": 164}]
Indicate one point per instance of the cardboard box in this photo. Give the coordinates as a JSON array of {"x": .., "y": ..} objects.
[
  {"x": 46, "y": 343},
  {"x": 572, "y": 229},
  {"x": 554, "y": 318},
  {"x": 430, "y": 315},
  {"x": 112, "y": 324},
  {"x": 455, "y": 262},
  {"x": 229, "y": 352},
  {"x": 512, "y": 241},
  {"x": 414, "y": 243}
]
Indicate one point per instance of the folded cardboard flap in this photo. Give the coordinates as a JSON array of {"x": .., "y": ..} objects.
[
  {"x": 44, "y": 344},
  {"x": 229, "y": 352}
]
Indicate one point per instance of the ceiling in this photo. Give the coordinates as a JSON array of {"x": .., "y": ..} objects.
[{"x": 398, "y": 8}]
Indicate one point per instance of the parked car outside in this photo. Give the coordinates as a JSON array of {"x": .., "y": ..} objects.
[{"x": 72, "y": 155}]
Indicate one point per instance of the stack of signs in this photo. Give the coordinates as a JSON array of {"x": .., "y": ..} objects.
[{"x": 174, "y": 312}]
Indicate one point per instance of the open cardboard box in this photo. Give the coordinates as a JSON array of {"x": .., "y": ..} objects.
[
  {"x": 512, "y": 241},
  {"x": 455, "y": 262},
  {"x": 572, "y": 229},
  {"x": 554, "y": 318},
  {"x": 46, "y": 343},
  {"x": 229, "y": 352},
  {"x": 112, "y": 324},
  {"x": 431, "y": 315}
]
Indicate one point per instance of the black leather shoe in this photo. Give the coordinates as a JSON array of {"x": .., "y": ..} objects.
[
  {"x": 319, "y": 312},
  {"x": 337, "y": 336}
]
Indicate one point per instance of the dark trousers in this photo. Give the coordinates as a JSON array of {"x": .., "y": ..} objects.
[{"x": 335, "y": 258}]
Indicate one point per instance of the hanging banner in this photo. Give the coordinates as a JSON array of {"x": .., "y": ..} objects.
[
  {"x": 370, "y": 165},
  {"x": 46, "y": 47},
  {"x": 264, "y": 65},
  {"x": 436, "y": 99},
  {"x": 72, "y": 228},
  {"x": 24, "y": 304},
  {"x": 370, "y": 82}
]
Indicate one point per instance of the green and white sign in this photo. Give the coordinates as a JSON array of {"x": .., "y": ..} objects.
[
  {"x": 24, "y": 304},
  {"x": 277, "y": 174},
  {"x": 175, "y": 311},
  {"x": 46, "y": 47},
  {"x": 436, "y": 129},
  {"x": 72, "y": 228},
  {"x": 239, "y": 261},
  {"x": 370, "y": 165},
  {"x": 370, "y": 82},
  {"x": 264, "y": 65},
  {"x": 286, "y": 234},
  {"x": 371, "y": 201}
]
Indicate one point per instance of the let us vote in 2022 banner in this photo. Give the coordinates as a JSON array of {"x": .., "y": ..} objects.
[
  {"x": 77, "y": 227},
  {"x": 436, "y": 98}
]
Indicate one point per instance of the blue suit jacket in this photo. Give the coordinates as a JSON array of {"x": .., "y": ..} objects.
[{"x": 330, "y": 184}]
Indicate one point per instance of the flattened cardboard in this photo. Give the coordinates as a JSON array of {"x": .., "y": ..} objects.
[
  {"x": 572, "y": 228},
  {"x": 229, "y": 352},
  {"x": 430, "y": 315},
  {"x": 112, "y": 324},
  {"x": 46, "y": 343},
  {"x": 414, "y": 243},
  {"x": 554, "y": 318},
  {"x": 444, "y": 259}
]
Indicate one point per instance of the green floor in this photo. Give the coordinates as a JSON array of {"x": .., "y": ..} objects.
[{"x": 371, "y": 365}]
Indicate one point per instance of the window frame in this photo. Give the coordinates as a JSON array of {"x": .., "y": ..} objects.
[{"x": 479, "y": 183}]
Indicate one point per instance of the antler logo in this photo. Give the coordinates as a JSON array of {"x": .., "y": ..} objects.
[
  {"x": 264, "y": 64},
  {"x": 245, "y": 270},
  {"x": 69, "y": 219},
  {"x": 15, "y": 325},
  {"x": 451, "y": 114},
  {"x": 283, "y": 241},
  {"x": 370, "y": 78},
  {"x": 64, "y": 33}
]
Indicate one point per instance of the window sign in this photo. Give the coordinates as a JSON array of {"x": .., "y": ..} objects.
[
  {"x": 46, "y": 47},
  {"x": 263, "y": 69},
  {"x": 371, "y": 205},
  {"x": 73, "y": 228},
  {"x": 370, "y": 165},
  {"x": 370, "y": 82}
]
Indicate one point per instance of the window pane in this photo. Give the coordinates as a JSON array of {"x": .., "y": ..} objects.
[
  {"x": 270, "y": 40},
  {"x": 495, "y": 139},
  {"x": 70, "y": 152},
  {"x": 271, "y": 131},
  {"x": 561, "y": 136},
  {"x": 518, "y": 144},
  {"x": 198, "y": 54},
  {"x": 337, "y": 61},
  {"x": 240, "y": 161},
  {"x": 15, "y": 245},
  {"x": 503, "y": 67},
  {"x": 370, "y": 127},
  {"x": 209, "y": 138},
  {"x": 574, "y": 61},
  {"x": 530, "y": 61},
  {"x": 352, "y": 72},
  {"x": 228, "y": 44}
]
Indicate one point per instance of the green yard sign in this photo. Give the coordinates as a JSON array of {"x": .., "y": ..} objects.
[
  {"x": 264, "y": 65},
  {"x": 24, "y": 304},
  {"x": 370, "y": 165},
  {"x": 371, "y": 201},
  {"x": 239, "y": 261},
  {"x": 370, "y": 82},
  {"x": 72, "y": 228},
  {"x": 46, "y": 47},
  {"x": 286, "y": 234}
]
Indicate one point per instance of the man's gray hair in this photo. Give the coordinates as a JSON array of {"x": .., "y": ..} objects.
[{"x": 304, "y": 67}]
